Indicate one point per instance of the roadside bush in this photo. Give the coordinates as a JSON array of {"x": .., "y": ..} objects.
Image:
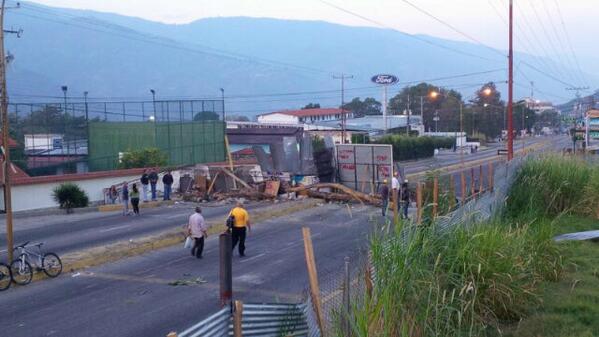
[
  {"x": 408, "y": 148},
  {"x": 70, "y": 196},
  {"x": 459, "y": 283}
]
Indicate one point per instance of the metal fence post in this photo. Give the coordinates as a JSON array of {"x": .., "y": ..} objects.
[
  {"x": 418, "y": 202},
  {"x": 346, "y": 299},
  {"x": 226, "y": 273},
  {"x": 481, "y": 178},
  {"x": 463, "y": 186}
]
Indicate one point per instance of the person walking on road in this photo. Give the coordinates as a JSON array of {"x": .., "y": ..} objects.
[
  {"x": 384, "y": 191},
  {"x": 167, "y": 180},
  {"x": 113, "y": 194},
  {"x": 405, "y": 199},
  {"x": 241, "y": 225},
  {"x": 198, "y": 230},
  {"x": 125, "y": 198},
  {"x": 395, "y": 190},
  {"x": 145, "y": 181},
  {"x": 135, "y": 199},
  {"x": 153, "y": 177}
]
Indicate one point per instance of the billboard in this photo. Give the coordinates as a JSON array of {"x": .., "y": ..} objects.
[{"x": 363, "y": 167}]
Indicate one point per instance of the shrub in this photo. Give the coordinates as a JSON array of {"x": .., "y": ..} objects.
[
  {"x": 70, "y": 196},
  {"x": 148, "y": 157},
  {"x": 407, "y": 148}
]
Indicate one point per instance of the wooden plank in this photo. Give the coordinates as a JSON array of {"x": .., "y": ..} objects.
[
  {"x": 272, "y": 188},
  {"x": 237, "y": 319},
  {"x": 491, "y": 177},
  {"x": 394, "y": 196},
  {"x": 212, "y": 183},
  {"x": 463, "y": 186},
  {"x": 230, "y": 158},
  {"x": 235, "y": 178},
  {"x": 481, "y": 178},
  {"x": 418, "y": 202},
  {"x": 313, "y": 278},
  {"x": 472, "y": 184}
]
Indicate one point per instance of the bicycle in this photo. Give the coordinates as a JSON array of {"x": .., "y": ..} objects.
[
  {"x": 22, "y": 272},
  {"x": 5, "y": 276}
]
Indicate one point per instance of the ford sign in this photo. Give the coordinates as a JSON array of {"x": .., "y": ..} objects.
[{"x": 384, "y": 79}]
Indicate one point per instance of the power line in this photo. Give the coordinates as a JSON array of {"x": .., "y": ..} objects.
[
  {"x": 415, "y": 37},
  {"x": 569, "y": 42},
  {"x": 452, "y": 27}
]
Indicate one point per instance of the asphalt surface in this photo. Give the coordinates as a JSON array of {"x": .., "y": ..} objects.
[
  {"x": 67, "y": 233},
  {"x": 133, "y": 297}
]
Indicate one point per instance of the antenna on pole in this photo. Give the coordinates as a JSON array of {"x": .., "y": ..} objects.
[{"x": 343, "y": 77}]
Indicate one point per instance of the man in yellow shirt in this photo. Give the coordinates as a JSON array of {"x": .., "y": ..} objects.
[{"x": 240, "y": 227}]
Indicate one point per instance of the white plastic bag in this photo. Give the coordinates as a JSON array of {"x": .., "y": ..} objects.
[{"x": 188, "y": 242}]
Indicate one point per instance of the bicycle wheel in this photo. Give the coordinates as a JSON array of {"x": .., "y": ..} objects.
[
  {"x": 22, "y": 273},
  {"x": 51, "y": 264},
  {"x": 5, "y": 277}
]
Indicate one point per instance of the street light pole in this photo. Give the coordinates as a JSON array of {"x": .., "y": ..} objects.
[
  {"x": 153, "y": 92},
  {"x": 222, "y": 95},
  {"x": 64, "y": 92}
]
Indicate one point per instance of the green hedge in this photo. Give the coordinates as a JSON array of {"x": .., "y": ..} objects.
[{"x": 406, "y": 148}]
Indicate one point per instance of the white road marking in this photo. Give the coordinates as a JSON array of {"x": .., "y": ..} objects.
[
  {"x": 252, "y": 258},
  {"x": 113, "y": 228}
]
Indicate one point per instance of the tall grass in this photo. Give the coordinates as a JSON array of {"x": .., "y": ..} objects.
[
  {"x": 459, "y": 283},
  {"x": 554, "y": 185}
]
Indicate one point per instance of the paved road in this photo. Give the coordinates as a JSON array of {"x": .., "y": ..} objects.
[
  {"x": 133, "y": 297},
  {"x": 67, "y": 233}
]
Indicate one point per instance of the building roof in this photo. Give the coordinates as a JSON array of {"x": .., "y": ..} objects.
[
  {"x": 309, "y": 112},
  {"x": 11, "y": 142},
  {"x": 593, "y": 113}
]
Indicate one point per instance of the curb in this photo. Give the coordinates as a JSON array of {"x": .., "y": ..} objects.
[{"x": 150, "y": 204}]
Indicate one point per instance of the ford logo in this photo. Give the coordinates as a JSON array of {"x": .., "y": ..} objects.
[{"x": 384, "y": 79}]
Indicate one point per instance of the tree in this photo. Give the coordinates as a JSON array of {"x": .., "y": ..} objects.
[
  {"x": 488, "y": 111},
  {"x": 312, "y": 106},
  {"x": 206, "y": 116},
  {"x": 369, "y": 106},
  {"x": 445, "y": 105},
  {"x": 237, "y": 118},
  {"x": 148, "y": 157}
]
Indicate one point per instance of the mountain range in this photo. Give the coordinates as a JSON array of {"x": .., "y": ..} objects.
[{"x": 262, "y": 64}]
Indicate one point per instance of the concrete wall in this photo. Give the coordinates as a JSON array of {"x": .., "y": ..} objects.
[{"x": 36, "y": 196}]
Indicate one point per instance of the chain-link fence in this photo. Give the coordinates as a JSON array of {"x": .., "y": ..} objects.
[{"x": 58, "y": 138}]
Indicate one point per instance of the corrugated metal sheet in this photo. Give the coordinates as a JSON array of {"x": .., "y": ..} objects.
[
  {"x": 217, "y": 325},
  {"x": 260, "y": 320},
  {"x": 266, "y": 320}
]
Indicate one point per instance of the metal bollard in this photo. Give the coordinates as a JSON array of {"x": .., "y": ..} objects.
[{"x": 226, "y": 266}]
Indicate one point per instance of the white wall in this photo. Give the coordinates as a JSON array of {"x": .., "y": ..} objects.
[
  {"x": 278, "y": 118},
  {"x": 36, "y": 196}
]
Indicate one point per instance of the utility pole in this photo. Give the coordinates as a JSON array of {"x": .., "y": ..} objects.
[
  {"x": 343, "y": 77},
  {"x": 510, "y": 104},
  {"x": 408, "y": 119},
  {"x": 6, "y": 148}
]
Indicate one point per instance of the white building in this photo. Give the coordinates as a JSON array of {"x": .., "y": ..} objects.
[
  {"x": 305, "y": 116},
  {"x": 538, "y": 106},
  {"x": 43, "y": 141}
]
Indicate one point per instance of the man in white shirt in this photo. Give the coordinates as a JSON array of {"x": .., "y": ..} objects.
[
  {"x": 395, "y": 189},
  {"x": 198, "y": 230}
]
